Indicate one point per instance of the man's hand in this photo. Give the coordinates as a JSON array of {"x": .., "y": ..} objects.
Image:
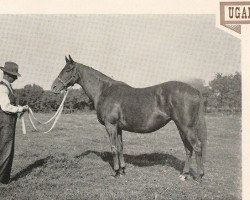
[{"x": 25, "y": 108}]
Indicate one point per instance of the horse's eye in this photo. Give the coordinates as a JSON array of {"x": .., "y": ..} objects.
[{"x": 69, "y": 69}]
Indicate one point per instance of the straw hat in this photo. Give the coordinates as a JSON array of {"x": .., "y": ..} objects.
[{"x": 10, "y": 68}]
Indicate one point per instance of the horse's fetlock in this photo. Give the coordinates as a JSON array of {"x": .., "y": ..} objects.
[
  {"x": 123, "y": 165},
  {"x": 198, "y": 151},
  {"x": 197, "y": 148},
  {"x": 189, "y": 154},
  {"x": 113, "y": 149},
  {"x": 122, "y": 170}
]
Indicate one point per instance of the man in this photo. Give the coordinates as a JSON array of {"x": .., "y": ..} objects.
[{"x": 8, "y": 117}]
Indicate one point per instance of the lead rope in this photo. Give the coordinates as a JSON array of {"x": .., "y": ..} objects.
[{"x": 56, "y": 117}]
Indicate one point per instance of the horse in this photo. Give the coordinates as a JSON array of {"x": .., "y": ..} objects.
[{"x": 141, "y": 110}]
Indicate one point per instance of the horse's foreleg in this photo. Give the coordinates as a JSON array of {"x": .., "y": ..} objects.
[
  {"x": 120, "y": 153},
  {"x": 112, "y": 132}
]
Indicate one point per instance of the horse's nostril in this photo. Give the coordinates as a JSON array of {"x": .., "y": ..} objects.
[{"x": 53, "y": 87}]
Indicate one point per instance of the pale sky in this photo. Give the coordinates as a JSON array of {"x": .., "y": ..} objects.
[{"x": 141, "y": 50}]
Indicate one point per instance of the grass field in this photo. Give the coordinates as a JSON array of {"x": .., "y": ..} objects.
[{"x": 73, "y": 162}]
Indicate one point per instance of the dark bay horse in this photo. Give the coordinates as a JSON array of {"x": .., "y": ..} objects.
[{"x": 141, "y": 110}]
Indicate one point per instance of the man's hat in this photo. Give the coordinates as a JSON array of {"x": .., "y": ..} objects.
[{"x": 10, "y": 68}]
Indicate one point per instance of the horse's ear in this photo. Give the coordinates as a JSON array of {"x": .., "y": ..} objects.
[
  {"x": 70, "y": 59},
  {"x": 67, "y": 60}
]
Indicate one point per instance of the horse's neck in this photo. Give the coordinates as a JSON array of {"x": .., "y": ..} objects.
[{"x": 93, "y": 82}]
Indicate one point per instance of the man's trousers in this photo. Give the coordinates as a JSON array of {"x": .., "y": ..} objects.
[{"x": 7, "y": 142}]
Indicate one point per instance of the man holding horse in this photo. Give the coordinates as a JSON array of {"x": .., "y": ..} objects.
[{"x": 8, "y": 116}]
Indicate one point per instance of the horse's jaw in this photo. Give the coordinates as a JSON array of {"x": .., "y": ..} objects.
[
  {"x": 56, "y": 90},
  {"x": 60, "y": 90}
]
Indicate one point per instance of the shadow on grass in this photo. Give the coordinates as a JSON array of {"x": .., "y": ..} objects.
[
  {"x": 143, "y": 160},
  {"x": 29, "y": 168}
]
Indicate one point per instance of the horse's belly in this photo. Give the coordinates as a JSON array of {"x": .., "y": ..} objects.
[{"x": 147, "y": 124}]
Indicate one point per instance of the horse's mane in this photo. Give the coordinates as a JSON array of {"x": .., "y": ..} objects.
[{"x": 100, "y": 75}]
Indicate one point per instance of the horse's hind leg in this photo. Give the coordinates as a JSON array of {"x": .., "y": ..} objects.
[
  {"x": 186, "y": 169},
  {"x": 189, "y": 153},
  {"x": 194, "y": 140},
  {"x": 191, "y": 143}
]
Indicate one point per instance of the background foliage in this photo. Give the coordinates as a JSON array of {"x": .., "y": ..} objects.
[
  {"x": 46, "y": 101},
  {"x": 222, "y": 94}
]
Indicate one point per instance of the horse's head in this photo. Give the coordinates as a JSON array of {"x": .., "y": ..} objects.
[{"x": 67, "y": 77}]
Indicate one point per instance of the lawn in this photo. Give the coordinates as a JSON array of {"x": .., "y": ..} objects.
[{"x": 73, "y": 162}]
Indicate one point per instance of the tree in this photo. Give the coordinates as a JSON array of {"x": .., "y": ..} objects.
[
  {"x": 31, "y": 95},
  {"x": 77, "y": 99},
  {"x": 226, "y": 92},
  {"x": 197, "y": 83},
  {"x": 50, "y": 101},
  {"x": 40, "y": 100}
]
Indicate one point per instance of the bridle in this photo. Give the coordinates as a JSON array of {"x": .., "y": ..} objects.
[{"x": 65, "y": 83}]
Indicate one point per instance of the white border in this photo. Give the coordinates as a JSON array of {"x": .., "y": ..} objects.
[{"x": 149, "y": 7}]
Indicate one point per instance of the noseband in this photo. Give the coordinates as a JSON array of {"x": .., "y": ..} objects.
[{"x": 65, "y": 83}]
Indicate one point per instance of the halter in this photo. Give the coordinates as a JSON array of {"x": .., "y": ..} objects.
[{"x": 65, "y": 83}]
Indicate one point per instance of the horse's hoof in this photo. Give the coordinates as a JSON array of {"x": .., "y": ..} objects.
[
  {"x": 118, "y": 175},
  {"x": 198, "y": 180},
  {"x": 122, "y": 171},
  {"x": 183, "y": 177}
]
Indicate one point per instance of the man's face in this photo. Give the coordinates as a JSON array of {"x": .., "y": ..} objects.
[{"x": 11, "y": 78}]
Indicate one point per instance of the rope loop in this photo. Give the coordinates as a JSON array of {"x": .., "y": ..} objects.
[{"x": 55, "y": 117}]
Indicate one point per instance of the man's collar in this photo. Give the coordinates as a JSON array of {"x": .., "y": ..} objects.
[{"x": 6, "y": 82}]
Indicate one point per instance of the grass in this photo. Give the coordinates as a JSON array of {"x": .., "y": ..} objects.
[{"x": 73, "y": 162}]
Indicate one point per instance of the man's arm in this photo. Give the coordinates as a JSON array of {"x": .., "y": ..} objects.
[{"x": 5, "y": 102}]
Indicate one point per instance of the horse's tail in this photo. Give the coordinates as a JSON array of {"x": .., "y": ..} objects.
[{"x": 201, "y": 127}]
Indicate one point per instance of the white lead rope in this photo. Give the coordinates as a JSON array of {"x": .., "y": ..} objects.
[
  {"x": 56, "y": 117},
  {"x": 58, "y": 110},
  {"x": 23, "y": 125}
]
